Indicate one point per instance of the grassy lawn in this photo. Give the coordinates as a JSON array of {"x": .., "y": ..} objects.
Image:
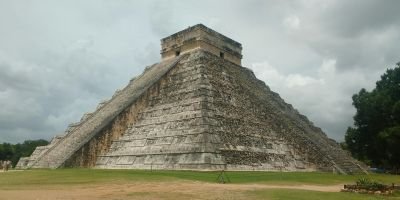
[
  {"x": 77, "y": 178},
  {"x": 82, "y": 176}
]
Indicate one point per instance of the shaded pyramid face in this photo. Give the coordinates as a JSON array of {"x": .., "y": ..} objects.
[{"x": 198, "y": 109}]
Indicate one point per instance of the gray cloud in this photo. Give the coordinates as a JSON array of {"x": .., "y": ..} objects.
[
  {"x": 357, "y": 34},
  {"x": 161, "y": 20},
  {"x": 59, "y": 59},
  {"x": 354, "y": 18}
]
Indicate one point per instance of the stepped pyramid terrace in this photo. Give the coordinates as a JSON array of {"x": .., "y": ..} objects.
[{"x": 197, "y": 109}]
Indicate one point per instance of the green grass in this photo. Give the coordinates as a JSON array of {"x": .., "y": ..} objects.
[
  {"x": 283, "y": 194},
  {"x": 63, "y": 178},
  {"x": 83, "y": 176}
]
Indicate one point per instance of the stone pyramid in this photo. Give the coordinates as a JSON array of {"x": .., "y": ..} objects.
[{"x": 198, "y": 109}]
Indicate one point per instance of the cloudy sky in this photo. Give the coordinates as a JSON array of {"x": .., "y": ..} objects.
[{"x": 58, "y": 59}]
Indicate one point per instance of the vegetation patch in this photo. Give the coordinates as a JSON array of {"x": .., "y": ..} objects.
[
  {"x": 289, "y": 194},
  {"x": 368, "y": 186}
]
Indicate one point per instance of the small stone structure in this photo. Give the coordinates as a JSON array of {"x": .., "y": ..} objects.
[
  {"x": 201, "y": 37},
  {"x": 26, "y": 162},
  {"x": 198, "y": 109}
]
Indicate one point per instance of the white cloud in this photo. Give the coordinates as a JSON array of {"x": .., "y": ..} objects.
[
  {"x": 292, "y": 22},
  {"x": 274, "y": 78},
  {"x": 297, "y": 80}
]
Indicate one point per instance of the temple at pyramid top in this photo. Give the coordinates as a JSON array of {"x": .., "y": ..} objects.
[{"x": 201, "y": 37}]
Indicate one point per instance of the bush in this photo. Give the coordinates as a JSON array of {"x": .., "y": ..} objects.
[{"x": 368, "y": 184}]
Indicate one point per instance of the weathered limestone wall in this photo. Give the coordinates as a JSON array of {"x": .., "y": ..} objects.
[
  {"x": 171, "y": 132},
  {"x": 194, "y": 45},
  {"x": 86, "y": 156},
  {"x": 260, "y": 131},
  {"x": 251, "y": 132},
  {"x": 89, "y": 127},
  {"x": 202, "y": 37},
  {"x": 22, "y": 163}
]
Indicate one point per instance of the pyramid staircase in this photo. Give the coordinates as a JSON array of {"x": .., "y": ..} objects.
[{"x": 85, "y": 130}]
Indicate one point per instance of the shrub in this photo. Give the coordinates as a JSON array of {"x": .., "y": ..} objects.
[{"x": 368, "y": 184}]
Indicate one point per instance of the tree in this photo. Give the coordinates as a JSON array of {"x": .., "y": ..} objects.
[
  {"x": 375, "y": 137},
  {"x": 6, "y": 151}
]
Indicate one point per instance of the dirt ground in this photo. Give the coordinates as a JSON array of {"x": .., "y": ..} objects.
[{"x": 149, "y": 191}]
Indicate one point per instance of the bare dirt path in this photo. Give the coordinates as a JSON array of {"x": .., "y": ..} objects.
[{"x": 149, "y": 190}]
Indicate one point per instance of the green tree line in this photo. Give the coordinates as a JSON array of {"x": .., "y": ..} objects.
[
  {"x": 375, "y": 137},
  {"x": 15, "y": 151}
]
